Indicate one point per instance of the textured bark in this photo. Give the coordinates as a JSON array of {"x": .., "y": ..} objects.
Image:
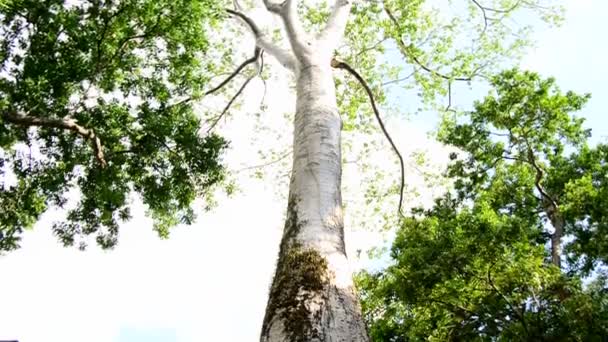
[{"x": 312, "y": 297}]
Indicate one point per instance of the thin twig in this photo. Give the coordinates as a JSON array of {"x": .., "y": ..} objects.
[
  {"x": 448, "y": 107},
  {"x": 253, "y": 59},
  {"x": 258, "y": 166},
  {"x": 343, "y": 65},
  {"x": 217, "y": 120},
  {"x": 260, "y": 71},
  {"x": 397, "y": 80}
]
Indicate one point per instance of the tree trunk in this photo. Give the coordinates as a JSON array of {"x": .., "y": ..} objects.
[
  {"x": 312, "y": 297},
  {"x": 556, "y": 238}
]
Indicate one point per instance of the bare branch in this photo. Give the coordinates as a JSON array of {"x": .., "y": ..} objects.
[
  {"x": 66, "y": 124},
  {"x": 485, "y": 10},
  {"x": 449, "y": 106},
  {"x": 343, "y": 65},
  {"x": 284, "y": 57},
  {"x": 259, "y": 166},
  {"x": 397, "y": 80},
  {"x": 257, "y": 54},
  {"x": 336, "y": 24},
  {"x": 260, "y": 71},
  {"x": 217, "y": 120}
]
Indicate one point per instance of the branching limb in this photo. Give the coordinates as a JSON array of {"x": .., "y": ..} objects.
[
  {"x": 283, "y": 56},
  {"x": 229, "y": 104},
  {"x": 287, "y": 10},
  {"x": 257, "y": 54},
  {"x": 260, "y": 74},
  {"x": 540, "y": 174},
  {"x": 66, "y": 124},
  {"x": 343, "y": 65},
  {"x": 334, "y": 30}
]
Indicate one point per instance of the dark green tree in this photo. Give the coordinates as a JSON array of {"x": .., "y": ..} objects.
[
  {"x": 485, "y": 262},
  {"x": 103, "y": 90}
]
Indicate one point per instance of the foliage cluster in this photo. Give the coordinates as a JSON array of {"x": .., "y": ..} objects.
[
  {"x": 476, "y": 266},
  {"x": 97, "y": 96}
]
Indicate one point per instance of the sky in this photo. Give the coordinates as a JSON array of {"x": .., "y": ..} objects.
[{"x": 209, "y": 281}]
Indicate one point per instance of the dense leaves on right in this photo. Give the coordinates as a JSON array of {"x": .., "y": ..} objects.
[{"x": 515, "y": 251}]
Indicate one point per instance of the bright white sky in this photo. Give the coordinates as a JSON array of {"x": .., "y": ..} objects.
[{"x": 209, "y": 282}]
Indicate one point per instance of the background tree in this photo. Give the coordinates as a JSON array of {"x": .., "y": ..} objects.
[{"x": 475, "y": 266}]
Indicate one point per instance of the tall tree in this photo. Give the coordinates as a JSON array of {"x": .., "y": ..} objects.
[
  {"x": 55, "y": 54},
  {"x": 526, "y": 131},
  {"x": 475, "y": 266}
]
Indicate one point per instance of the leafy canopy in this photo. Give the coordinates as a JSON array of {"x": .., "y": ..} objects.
[
  {"x": 475, "y": 266},
  {"x": 97, "y": 96}
]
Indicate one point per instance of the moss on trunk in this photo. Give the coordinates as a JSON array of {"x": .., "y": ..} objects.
[{"x": 301, "y": 276}]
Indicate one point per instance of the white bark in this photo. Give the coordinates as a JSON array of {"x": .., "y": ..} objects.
[
  {"x": 334, "y": 30},
  {"x": 298, "y": 38},
  {"x": 327, "y": 309},
  {"x": 312, "y": 297},
  {"x": 283, "y": 56}
]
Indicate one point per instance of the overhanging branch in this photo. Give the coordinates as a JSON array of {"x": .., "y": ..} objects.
[
  {"x": 256, "y": 55},
  {"x": 66, "y": 124},
  {"x": 485, "y": 10},
  {"x": 343, "y": 65}
]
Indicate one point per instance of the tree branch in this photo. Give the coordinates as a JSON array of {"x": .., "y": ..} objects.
[
  {"x": 66, "y": 124},
  {"x": 238, "y": 93},
  {"x": 531, "y": 159},
  {"x": 283, "y": 56},
  {"x": 259, "y": 166},
  {"x": 256, "y": 55},
  {"x": 397, "y": 80},
  {"x": 336, "y": 24},
  {"x": 287, "y": 11},
  {"x": 343, "y": 65}
]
